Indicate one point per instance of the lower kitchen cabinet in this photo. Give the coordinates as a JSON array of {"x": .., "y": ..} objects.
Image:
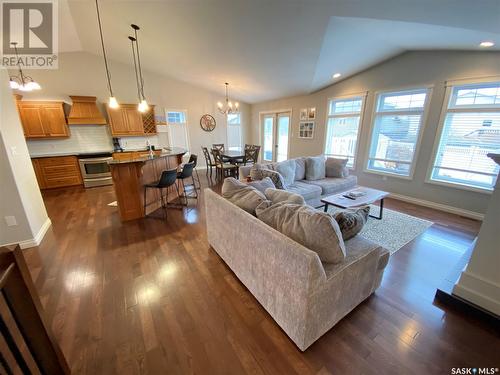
[{"x": 58, "y": 171}]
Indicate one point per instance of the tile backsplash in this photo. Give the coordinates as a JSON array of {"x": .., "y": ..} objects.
[{"x": 89, "y": 138}]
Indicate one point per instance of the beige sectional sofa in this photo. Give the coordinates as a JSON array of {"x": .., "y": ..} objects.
[
  {"x": 303, "y": 295},
  {"x": 312, "y": 191}
]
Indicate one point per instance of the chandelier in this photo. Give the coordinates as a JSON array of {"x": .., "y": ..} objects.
[
  {"x": 22, "y": 82},
  {"x": 229, "y": 107}
]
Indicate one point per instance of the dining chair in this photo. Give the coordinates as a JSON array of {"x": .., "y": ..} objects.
[
  {"x": 208, "y": 160},
  {"x": 185, "y": 173},
  {"x": 218, "y": 146},
  {"x": 167, "y": 179},
  {"x": 251, "y": 154},
  {"x": 223, "y": 169}
]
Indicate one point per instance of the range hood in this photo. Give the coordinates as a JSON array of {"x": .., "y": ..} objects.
[{"x": 84, "y": 111}]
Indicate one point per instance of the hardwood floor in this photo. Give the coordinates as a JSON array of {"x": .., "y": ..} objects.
[{"x": 151, "y": 297}]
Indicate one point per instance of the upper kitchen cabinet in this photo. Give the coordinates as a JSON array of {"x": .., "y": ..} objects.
[
  {"x": 43, "y": 119},
  {"x": 84, "y": 111},
  {"x": 128, "y": 121}
]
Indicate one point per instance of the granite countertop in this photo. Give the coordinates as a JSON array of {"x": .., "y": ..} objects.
[{"x": 165, "y": 152}]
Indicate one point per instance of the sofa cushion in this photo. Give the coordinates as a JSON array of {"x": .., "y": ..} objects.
[
  {"x": 287, "y": 169},
  {"x": 308, "y": 191},
  {"x": 244, "y": 196},
  {"x": 315, "y": 168},
  {"x": 255, "y": 171},
  {"x": 351, "y": 221},
  {"x": 300, "y": 169},
  {"x": 276, "y": 196},
  {"x": 262, "y": 185},
  {"x": 332, "y": 185},
  {"x": 316, "y": 230},
  {"x": 275, "y": 177},
  {"x": 336, "y": 167}
]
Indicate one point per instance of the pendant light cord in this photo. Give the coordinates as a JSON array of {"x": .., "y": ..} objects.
[
  {"x": 132, "y": 39},
  {"x": 108, "y": 75},
  {"x": 139, "y": 61}
]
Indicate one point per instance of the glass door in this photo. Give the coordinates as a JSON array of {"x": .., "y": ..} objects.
[{"x": 276, "y": 134}]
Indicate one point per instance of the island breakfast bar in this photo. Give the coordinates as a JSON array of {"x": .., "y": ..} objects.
[{"x": 130, "y": 174}]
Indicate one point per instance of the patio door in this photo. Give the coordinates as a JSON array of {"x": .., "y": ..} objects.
[{"x": 275, "y": 136}]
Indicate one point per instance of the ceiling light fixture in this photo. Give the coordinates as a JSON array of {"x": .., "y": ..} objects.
[
  {"x": 336, "y": 75},
  {"x": 143, "y": 104},
  {"x": 22, "y": 82},
  {"x": 112, "y": 102},
  {"x": 486, "y": 44},
  {"x": 229, "y": 107}
]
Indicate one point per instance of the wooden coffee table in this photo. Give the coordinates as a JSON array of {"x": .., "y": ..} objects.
[{"x": 371, "y": 196}]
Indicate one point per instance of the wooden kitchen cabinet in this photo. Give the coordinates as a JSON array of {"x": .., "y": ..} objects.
[
  {"x": 59, "y": 171},
  {"x": 128, "y": 121},
  {"x": 43, "y": 119}
]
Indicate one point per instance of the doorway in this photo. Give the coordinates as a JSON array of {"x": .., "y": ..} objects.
[{"x": 275, "y": 135}]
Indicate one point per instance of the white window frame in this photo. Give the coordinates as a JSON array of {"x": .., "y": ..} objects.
[
  {"x": 185, "y": 124},
  {"x": 363, "y": 95},
  {"x": 261, "y": 132},
  {"x": 442, "y": 118},
  {"x": 423, "y": 122},
  {"x": 227, "y": 131}
]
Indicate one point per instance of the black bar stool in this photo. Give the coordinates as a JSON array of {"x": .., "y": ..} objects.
[
  {"x": 194, "y": 159},
  {"x": 167, "y": 179},
  {"x": 187, "y": 172}
]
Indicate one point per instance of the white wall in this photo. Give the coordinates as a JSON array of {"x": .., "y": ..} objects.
[
  {"x": 20, "y": 196},
  {"x": 82, "y": 73},
  {"x": 412, "y": 69}
]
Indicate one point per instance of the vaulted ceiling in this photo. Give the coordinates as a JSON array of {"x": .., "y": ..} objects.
[{"x": 268, "y": 49}]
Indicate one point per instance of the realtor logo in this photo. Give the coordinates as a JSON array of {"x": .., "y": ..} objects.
[{"x": 33, "y": 26}]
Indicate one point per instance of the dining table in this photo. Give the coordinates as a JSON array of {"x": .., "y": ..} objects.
[{"x": 233, "y": 156}]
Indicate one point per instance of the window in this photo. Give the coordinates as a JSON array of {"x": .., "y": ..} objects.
[
  {"x": 177, "y": 129},
  {"x": 342, "y": 128},
  {"x": 470, "y": 129},
  {"x": 234, "y": 131},
  {"x": 396, "y": 131}
]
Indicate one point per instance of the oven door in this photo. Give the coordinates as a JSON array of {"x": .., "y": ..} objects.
[{"x": 95, "y": 167}]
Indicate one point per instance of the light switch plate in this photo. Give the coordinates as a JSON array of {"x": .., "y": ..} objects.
[{"x": 11, "y": 221}]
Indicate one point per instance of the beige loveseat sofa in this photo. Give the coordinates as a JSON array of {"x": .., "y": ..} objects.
[{"x": 304, "y": 296}]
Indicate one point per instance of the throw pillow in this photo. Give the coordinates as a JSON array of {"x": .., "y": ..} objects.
[
  {"x": 275, "y": 177},
  {"x": 262, "y": 185},
  {"x": 315, "y": 168},
  {"x": 287, "y": 170},
  {"x": 300, "y": 169},
  {"x": 315, "y": 230},
  {"x": 336, "y": 167},
  {"x": 276, "y": 196},
  {"x": 244, "y": 196},
  {"x": 351, "y": 221},
  {"x": 255, "y": 171}
]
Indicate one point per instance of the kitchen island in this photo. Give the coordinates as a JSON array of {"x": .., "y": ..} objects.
[{"x": 131, "y": 173}]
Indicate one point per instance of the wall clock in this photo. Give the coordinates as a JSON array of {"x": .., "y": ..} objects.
[{"x": 207, "y": 122}]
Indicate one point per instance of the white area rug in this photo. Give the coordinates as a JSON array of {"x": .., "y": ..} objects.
[{"x": 394, "y": 230}]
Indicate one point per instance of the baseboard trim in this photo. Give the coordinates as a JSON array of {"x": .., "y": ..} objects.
[
  {"x": 439, "y": 206},
  {"x": 38, "y": 238}
]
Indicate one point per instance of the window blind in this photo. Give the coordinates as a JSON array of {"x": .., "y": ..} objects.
[{"x": 470, "y": 130}]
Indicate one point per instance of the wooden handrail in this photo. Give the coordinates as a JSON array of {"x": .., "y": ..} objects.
[{"x": 18, "y": 290}]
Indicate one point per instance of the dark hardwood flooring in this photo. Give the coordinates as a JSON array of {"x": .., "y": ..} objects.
[{"x": 151, "y": 297}]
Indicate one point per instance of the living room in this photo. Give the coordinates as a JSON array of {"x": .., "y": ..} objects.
[{"x": 252, "y": 187}]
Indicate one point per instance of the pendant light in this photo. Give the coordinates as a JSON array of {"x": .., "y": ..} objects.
[
  {"x": 143, "y": 104},
  {"x": 228, "y": 108},
  {"x": 22, "y": 82},
  {"x": 112, "y": 102}
]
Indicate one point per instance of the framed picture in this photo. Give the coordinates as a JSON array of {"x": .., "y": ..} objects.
[
  {"x": 303, "y": 114},
  {"x": 306, "y": 129},
  {"x": 311, "y": 114}
]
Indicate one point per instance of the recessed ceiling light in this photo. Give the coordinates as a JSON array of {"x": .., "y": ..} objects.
[
  {"x": 336, "y": 75},
  {"x": 486, "y": 44}
]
